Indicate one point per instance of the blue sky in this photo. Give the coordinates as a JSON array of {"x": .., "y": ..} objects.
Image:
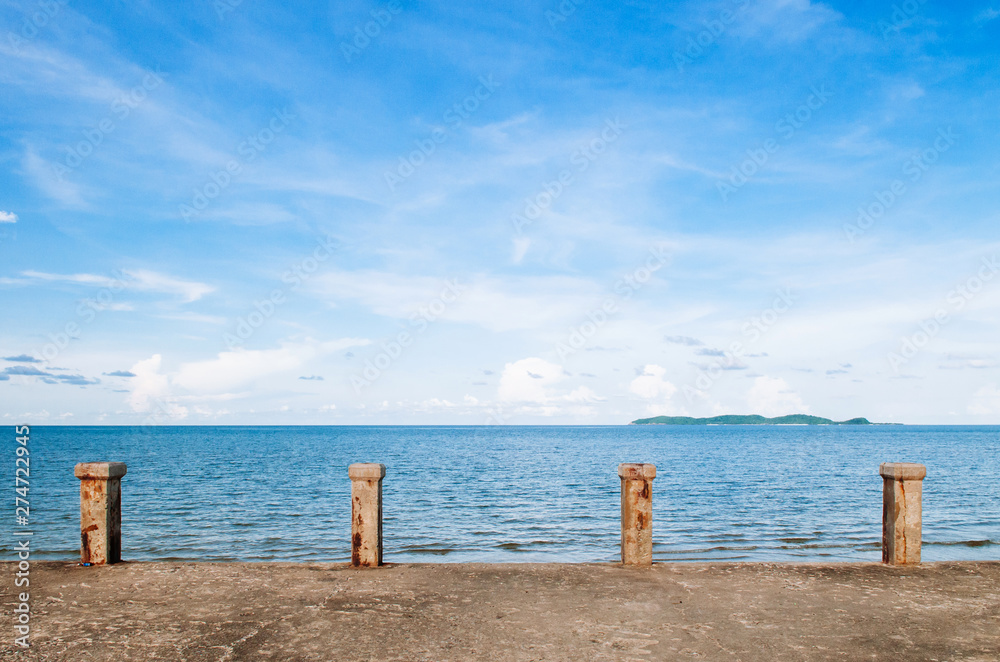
[{"x": 576, "y": 212}]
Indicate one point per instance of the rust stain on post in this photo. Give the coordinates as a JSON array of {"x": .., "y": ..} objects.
[
  {"x": 637, "y": 513},
  {"x": 902, "y": 488},
  {"x": 366, "y": 514},
  {"x": 100, "y": 511}
]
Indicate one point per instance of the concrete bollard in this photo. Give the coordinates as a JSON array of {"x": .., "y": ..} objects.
[
  {"x": 366, "y": 514},
  {"x": 637, "y": 513},
  {"x": 100, "y": 511},
  {"x": 901, "y": 492}
]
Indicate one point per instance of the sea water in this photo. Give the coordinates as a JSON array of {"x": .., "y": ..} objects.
[{"x": 511, "y": 493}]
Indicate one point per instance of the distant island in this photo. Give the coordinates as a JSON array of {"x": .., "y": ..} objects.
[{"x": 732, "y": 419}]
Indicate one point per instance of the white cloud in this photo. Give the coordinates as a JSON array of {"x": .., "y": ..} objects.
[
  {"x": 521, "y": 246},
  {"x": 527, "y": 380},
  {"x": 772, "y": 396},
  {"x": 198, "y": 382},
  {"x": 985, "y": 401},
  {"x": 239, "y": 367},
  {"x": 583, "y": 394},
  {"x": 650, "y": 384},
  {"x": 151, "y": 390},
  {"x": 151, "y": 281},
  {"x": 81, "y": 279},
  {"x": 8, "y": 217},
  {"x": 531, "y": 384}
]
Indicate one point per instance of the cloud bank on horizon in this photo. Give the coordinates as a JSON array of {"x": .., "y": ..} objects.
[{"x": 537, "y": 212}]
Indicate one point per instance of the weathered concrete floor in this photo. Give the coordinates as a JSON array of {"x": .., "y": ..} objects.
[{"x": 245, "y": 611}]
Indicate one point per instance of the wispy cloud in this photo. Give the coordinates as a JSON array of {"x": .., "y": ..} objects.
[
  {"x": 684, "y": 340},
  {"x": 987, "y": 15},
  {"x": 8, "y": 217},
  {"x": 22, "y": 358},
  {"x": 28, "y": 371},
  {"x": 47, "y": 377},
  {"x": 497, "y": 304},
  {"x": 140, "y": 280}
]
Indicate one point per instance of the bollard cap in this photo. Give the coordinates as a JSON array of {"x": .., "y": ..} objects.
[
  {"x": 637, "y": 471},
  {"x": 902, "y": 470},
  {"x": 366, "y": 470},
  {"x": 100, "y": 470}
]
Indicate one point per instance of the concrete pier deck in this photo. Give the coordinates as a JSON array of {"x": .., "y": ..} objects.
[{"x": 717, "y": 611}]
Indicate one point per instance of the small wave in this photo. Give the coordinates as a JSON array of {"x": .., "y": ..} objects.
[
  {"x": 37, "y": 553},
  {"x": 657, "y": 549},
  {"x": 437, "y": 551},
  {"x": 962, "y": 543},
  {"x": 818, "y": 546}
]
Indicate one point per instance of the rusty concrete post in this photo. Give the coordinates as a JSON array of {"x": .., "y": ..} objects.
[
  {"x": 901, "y": 492},
  {"x": 366, "y": 514},
  {"x": 637, "y": 513},
  {"x": 100, "y": 511}
]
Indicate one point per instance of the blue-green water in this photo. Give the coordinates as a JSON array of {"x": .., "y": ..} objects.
[{"x": 751, "y": 493}]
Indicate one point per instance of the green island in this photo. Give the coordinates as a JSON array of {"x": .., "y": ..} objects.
[{"x": 755, "y": 419}]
